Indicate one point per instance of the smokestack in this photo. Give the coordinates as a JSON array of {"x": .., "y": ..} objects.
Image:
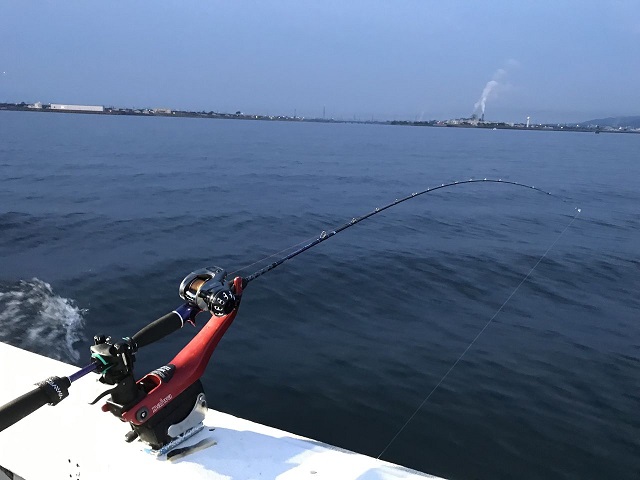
[{"x": 482, "y": 117}]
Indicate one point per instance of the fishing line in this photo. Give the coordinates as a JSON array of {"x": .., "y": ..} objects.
[
  {"x": 302, "y": 242},
  {"x": 578, "y": 210},
  {"x": 326, "y": 235}
]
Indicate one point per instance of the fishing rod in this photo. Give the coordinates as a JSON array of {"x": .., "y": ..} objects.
[
  {"x": 168, "y": 405},
  {"x": 326, "y": 235}
]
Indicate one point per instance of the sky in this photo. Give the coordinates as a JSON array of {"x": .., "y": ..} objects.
[{"x": 555, "y": 61}]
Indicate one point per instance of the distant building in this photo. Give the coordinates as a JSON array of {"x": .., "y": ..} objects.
[
  {"x": 77, "y": 108},
  {"x": 164, "y": 111},
  {"x": 36, "y": 105}
]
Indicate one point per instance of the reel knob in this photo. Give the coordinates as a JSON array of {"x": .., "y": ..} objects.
[{"x": 220, "y": 301}]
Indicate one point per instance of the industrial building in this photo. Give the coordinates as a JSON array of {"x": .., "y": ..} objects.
[{"x": 77, "y": 108}]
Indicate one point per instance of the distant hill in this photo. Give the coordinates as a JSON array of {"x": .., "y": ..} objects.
[{"x": 632, "y": 122}]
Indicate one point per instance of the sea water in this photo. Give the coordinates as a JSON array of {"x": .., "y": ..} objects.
[{"x": 102, "y": 216}]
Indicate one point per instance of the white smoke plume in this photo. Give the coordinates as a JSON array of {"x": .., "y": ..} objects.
[{"x": 492, "y": 87}]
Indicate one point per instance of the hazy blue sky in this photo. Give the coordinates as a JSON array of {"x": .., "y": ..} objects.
[{"x": 559, "y": 60}]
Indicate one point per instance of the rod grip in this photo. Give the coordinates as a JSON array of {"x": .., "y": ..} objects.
[
  {"x": 52, "y": 391},
  {"x": 158, "y": 329}
]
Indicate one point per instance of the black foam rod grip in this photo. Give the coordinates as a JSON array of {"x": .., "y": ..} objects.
[
  {"x": 158, "y": 329},
  {"x": 51, "y": 391}
]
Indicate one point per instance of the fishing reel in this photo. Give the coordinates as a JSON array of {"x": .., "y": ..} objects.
[
  {"x": 114, "y": 361},
  {"x": 206, "y": 290}
]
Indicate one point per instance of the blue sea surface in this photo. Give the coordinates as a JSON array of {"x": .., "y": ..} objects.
[{"x": 102, "y": 216}]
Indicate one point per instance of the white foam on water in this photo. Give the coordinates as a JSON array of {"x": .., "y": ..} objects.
[{"x": 33, "y": 317}]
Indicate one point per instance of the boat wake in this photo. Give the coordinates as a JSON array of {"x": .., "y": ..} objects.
[{"x": 36, "y": 319}]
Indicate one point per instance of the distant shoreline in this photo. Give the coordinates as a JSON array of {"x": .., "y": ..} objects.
[{"x": 454, "y": 123}]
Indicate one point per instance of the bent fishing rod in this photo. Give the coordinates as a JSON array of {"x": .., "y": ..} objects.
[
  {"x": 326, "y": 235},
  {"x": 168, "y": 405}
]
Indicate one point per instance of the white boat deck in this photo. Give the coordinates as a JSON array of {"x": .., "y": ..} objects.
[{"x": 76, "y": 440}]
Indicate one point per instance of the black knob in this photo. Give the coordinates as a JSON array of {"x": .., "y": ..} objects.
[{"x": 221, "y": 301}]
